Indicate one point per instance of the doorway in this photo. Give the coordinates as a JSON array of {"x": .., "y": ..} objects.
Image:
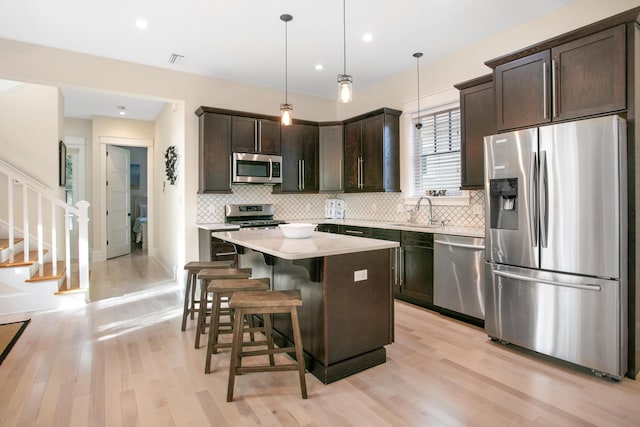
[{"x": 140, "y": 204}]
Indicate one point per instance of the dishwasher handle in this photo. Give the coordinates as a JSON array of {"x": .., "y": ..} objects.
[{"x": 459, "y": 245}]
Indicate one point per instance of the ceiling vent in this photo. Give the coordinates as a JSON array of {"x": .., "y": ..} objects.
[{"x": 176, "y": 59}]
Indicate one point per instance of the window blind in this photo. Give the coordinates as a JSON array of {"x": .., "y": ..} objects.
[{"x": 437, "y": 153}]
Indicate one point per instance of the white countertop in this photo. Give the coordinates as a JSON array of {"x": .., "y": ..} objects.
[
  {"x": 273, "y": 242},
  {"x": 447, "y": 229},
  {"x": 217, "y": 226}
]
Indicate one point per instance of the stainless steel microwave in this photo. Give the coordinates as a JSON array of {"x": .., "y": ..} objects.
[{"x": 256, "y": 168}]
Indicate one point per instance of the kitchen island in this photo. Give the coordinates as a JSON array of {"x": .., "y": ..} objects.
[{"x": 346, "y": 317}]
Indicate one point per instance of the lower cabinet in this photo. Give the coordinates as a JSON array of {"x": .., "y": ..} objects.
[
  {"x": 413, "y": 260},
  {"x": 329, "y": 228},
  {"x": 416, "y": 263}
]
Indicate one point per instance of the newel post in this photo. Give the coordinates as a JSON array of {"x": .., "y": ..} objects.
[{"x": 83, "y": 244}]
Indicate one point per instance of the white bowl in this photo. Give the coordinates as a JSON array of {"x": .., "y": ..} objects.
[{"x": 297, "y": 230}]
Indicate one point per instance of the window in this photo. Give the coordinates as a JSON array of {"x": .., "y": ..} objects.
[{"x": 436, "y": 153}]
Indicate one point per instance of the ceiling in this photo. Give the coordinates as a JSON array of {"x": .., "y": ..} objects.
[{"x": 244, "y": 40}]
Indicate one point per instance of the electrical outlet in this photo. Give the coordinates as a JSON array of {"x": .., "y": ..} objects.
[
  {"x": 308, "y": 207},
  {"x": 399, "y": 208},
  {"x": 212, "y": 208},
  {"x": 359, "y": 275},
  {"x": 374, "y": 207}
]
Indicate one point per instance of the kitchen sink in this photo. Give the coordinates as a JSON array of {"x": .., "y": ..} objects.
[{"x": 416, "y": 225}]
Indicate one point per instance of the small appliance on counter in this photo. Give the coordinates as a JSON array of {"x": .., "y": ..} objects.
[{"x": 334, "y": 209}]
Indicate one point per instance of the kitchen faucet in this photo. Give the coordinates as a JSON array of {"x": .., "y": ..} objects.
[{"x": 414, "y": 212}]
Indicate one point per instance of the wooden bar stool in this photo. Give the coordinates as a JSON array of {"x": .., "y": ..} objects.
[
  {"x": 205, "y": 276},
  {"x": 265, "y": 303},
  {"x": 223, "y": 290},
  {"x": 193, "y": 268}
]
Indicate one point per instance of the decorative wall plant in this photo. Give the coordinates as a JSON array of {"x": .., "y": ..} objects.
[{"x": 170, "y": 159}]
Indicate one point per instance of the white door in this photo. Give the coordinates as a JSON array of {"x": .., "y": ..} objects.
[{"x": 118, "y": 205}]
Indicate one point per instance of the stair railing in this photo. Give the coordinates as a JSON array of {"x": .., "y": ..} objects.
[{"x": 36, "y": 197}]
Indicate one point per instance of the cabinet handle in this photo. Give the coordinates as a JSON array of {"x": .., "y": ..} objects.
[
  {"x": 401, "y": 267},
  {"x": 299, "y": 185},
  {"x": 302, "y": 174},
  {"x": 359, "y": 233},
  {"x": 544, "y": 89},
  {"x": 259, "y": 136},
  {"x": 554, "y": 97},
  {"x": 230, "y": 171},
  {"x": 341, "y": 172},
  {"x": 255, "y": 135}
]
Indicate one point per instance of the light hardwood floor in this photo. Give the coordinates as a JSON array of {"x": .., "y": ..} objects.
[{"x": 123, "y": 361}]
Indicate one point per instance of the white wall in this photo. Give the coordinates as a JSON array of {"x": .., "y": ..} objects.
[
  {"x": 169, "y": 208},
  {"x": 29, "y": 119}
]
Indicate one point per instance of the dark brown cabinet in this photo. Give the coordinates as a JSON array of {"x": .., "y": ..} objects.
[
  {"x": 583, "y": 77},
  {"x": 253, "y": 135},
  {"x": 478, "y": 119},
  {"x": 300, "y": 171},
  {"x": 371, "y": 152},
  {"x": 214, "y": 152},
  {"x": 416, "y": 266}
]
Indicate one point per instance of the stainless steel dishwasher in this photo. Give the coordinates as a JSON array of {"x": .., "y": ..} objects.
[{"x": 458, "y": 274}]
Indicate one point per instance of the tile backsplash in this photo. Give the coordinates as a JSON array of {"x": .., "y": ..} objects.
[{"x": 365, "y": 206}]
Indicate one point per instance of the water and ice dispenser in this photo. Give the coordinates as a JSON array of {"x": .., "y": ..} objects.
[{"x": 504, "y": 203}]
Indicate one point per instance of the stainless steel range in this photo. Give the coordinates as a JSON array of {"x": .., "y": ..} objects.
[{"x": 249, "y": 217}]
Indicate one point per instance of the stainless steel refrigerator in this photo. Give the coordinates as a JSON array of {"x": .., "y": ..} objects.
[{"x": 556, "y": 241}]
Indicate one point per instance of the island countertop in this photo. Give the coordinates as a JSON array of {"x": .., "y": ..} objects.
[{"x": 273, "y": 242}]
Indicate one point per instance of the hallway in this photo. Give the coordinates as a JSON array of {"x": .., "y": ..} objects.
[{"x": 127, "y": 274}]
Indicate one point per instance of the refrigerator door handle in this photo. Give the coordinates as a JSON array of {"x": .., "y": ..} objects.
[
  {"x": 584, "y": 287},
  {"x": 544, "y": 200},
  {"x": 533, "y": 185}
]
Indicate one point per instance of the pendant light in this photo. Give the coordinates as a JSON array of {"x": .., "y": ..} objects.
[
  {"x": 345, "y": 81},
  {"x": 417, "y": 55},
  {"x": 286, "y": 109}
]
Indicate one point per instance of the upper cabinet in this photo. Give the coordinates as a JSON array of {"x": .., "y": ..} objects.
[
  {"x": 330, "y": 150},
  {"x": 582, "y": 77},
  {"x": 300, "y": 159},
  {"x": 372, "y": 153},
  {"x": 478, "y": 119},
  {"x": 214, "y": 155},
  {"x": 255, "y": 135}
]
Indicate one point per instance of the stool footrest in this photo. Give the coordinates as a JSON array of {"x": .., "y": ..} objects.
[
  {"x": 263, "y": 368},
  {"x": 268, "y": 351}
]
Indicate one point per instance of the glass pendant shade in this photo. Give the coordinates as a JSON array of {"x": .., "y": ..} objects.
[
  {"x": 286, "y": 109},
  {"x": 286, "y": 117},
  {"x": 345, "y": 88}
]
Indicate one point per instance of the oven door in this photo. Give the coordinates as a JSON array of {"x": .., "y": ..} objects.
[{"x": 256, "y": 168}]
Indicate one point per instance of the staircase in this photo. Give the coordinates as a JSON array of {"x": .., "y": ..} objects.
[{"x": 37, "y": 268}]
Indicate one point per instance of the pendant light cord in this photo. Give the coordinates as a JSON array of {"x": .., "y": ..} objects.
[
  {"x": 344, "y": 34},
  {"x": 418, "y": 68},
  {"x": 286, "y": 62}
]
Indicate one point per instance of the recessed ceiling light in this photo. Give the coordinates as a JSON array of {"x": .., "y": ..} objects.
[
  {"x": 319, "y": 67},
  {"x": 141, "y": 23},
  {"x": 367, "y": 37}
]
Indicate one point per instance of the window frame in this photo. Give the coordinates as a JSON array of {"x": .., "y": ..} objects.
[{"x": 442, "y": 101}]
